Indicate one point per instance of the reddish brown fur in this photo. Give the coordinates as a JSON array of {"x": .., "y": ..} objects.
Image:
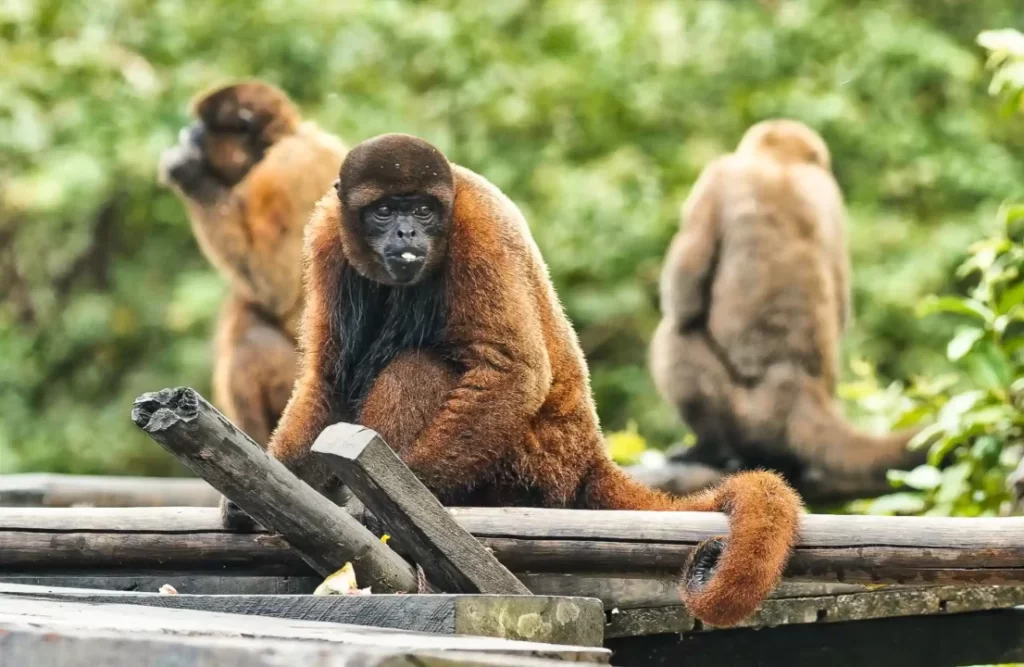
[
  {"x": 755, "y": 295},
  {"x": 501, "y": 411},
  {"x": 263, "y": 170}
]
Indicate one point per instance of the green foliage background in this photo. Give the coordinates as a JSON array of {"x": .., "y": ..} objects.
[{"x": 595, "y": 117}]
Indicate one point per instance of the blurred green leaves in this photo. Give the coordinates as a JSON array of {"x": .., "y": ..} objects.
[
  {"x": 594, "y": 117},
  {"x": 976, "y": 435}
]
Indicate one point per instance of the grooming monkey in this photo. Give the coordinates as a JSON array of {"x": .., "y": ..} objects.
[
  {"x": 430, "y": 318},
  {"x": 754, "y": 297},
  {"x": 250, "y": 171}
]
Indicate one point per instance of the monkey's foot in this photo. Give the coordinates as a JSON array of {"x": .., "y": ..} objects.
[{"x": 234, "y": 518}]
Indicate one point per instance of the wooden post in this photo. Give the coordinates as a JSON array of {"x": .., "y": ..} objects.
[
  {"x": 451, "y": 557},
  {"x": 191, "y": 429}
]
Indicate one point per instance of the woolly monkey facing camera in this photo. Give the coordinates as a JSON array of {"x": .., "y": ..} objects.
[{"x": 430, "y": 318}]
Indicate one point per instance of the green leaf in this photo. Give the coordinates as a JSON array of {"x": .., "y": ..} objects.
[
  {"x": 962, "y": 343},
  {"x": 955, "y": 482},
  {"x": 897, "y": 503},
  {"x": 1013, "y": 296},
  {"x": 941, "y": 449},
  {"x": 989, "y": 366},
  {"x": 923, "y": 478},
  {"x": 955, "y": 305},
  {"x": 986, "y": 450}
]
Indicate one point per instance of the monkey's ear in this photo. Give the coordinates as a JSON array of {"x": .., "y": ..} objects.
[
  {"x": 248, "y": 106},
  {"x": 337, "y": 187}
]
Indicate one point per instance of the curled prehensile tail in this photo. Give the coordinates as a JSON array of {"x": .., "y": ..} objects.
[{"x": 727, "y": 577}]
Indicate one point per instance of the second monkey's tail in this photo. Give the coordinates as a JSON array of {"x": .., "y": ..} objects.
[
  {"x": 820, "y": 434},
  {"x": 726, "y": 578}
]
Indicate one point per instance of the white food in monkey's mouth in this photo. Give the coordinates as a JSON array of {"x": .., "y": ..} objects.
[{"x": 408, "y": 256}]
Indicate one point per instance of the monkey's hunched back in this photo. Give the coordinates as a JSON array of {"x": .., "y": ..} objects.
[
  {"x": 777, "y": 297},
  {"x": 425, "y": 284},
  {"x": 754, "y": 297}
]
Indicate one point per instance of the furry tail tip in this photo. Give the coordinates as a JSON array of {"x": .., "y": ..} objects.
[{"x": 727, "y": 578}]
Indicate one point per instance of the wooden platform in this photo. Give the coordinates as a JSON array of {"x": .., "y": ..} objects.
[
  {"x": 41, "y": 632},
  {"x": 562, "y": 620}
]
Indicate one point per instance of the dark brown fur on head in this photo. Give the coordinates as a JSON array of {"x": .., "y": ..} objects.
[
  {"x": 786, "y": 141},
  {"x": 390, "y": 165},
  {"x": 252, "y": 107},
  {"x": 236, "y": 124}
]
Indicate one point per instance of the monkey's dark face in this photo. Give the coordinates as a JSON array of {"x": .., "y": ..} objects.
[
  {"x": 405, "y": 232},
  {"x": 204, "y": 159}
]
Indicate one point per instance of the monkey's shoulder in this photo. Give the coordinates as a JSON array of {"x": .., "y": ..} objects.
[{"x": 486, "y": 223}]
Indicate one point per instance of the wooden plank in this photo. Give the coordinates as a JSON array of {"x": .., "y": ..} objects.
[
  {"x": 451, "y": 557},
  {"x": 849, "y": 549},
  {"x": 64, "y": 616},
  {"x": 188, "y": 582},
  {"x": 560, "y": 620},
  {"x": 180, "y": 551},
  {"x": 979, "y": 638},
  {"x": 628, "y": 590},
  {"x": 47, "y": 648},
  {"x": 623, "y": 590},
  {"x": 54, "y": 490},
  {"x": 326, "y": 536},
  {"x": 920, "y": 601}
]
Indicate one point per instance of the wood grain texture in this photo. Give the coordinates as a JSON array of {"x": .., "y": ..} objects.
[
  {"x": 825, "y": 609},
  {"x": 60, "y": 616},
  {"x": 850, "y": 549},
  {"x": 326, "y": 536},
  {"x": 55, "y": 490},
  {"x": 451, "y": 557},
  {"x": 563, "y": 620},
  {"x": 47, "y": 648},
  {"x": 185, "y": 583}
]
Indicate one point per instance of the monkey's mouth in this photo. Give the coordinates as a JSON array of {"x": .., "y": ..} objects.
[
  {"x": 405, "y": 266},
  {"x": 180, "y": 165}
]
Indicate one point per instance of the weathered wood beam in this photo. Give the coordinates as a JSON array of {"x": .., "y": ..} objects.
[
  {"x": 54, "y": 490},
  {"x": 853, "y": 549},
  {"x": 61, "y": 617},
  {"x": 26, "y": 645},
  {"x": 617, "y": 590},
  {"x": 858, "y": 606},
  {"x": 326, "y": 536},
  {"x": 451, "y": 557},
  {"x": 577, "y": 621}
]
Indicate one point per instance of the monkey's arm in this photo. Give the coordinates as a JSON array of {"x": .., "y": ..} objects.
[
  {"x": 311, "y": 407},
  {"x": 496, "y": 338},
  {"x": 690, "y": 263}
]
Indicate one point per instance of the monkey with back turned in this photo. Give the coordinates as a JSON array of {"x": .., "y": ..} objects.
[
  {"x": 754, "y": 297},
  {"x": 250, "y": 170},
  {"x": 430, "y": 318}
]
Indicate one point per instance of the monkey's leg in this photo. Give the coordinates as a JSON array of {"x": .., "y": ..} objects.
[
  {"x": 253, "y": 376},
  {"x": 254, "y": 370},
  {"x": 691, "y": 377}
]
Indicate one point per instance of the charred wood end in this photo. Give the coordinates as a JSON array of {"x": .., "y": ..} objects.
[{"x": 160, "y": 410}]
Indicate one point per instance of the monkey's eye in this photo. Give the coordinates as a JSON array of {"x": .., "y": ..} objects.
[
  {"x": 422, "y": 212},
  {"x": 382, "y": 212}
]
